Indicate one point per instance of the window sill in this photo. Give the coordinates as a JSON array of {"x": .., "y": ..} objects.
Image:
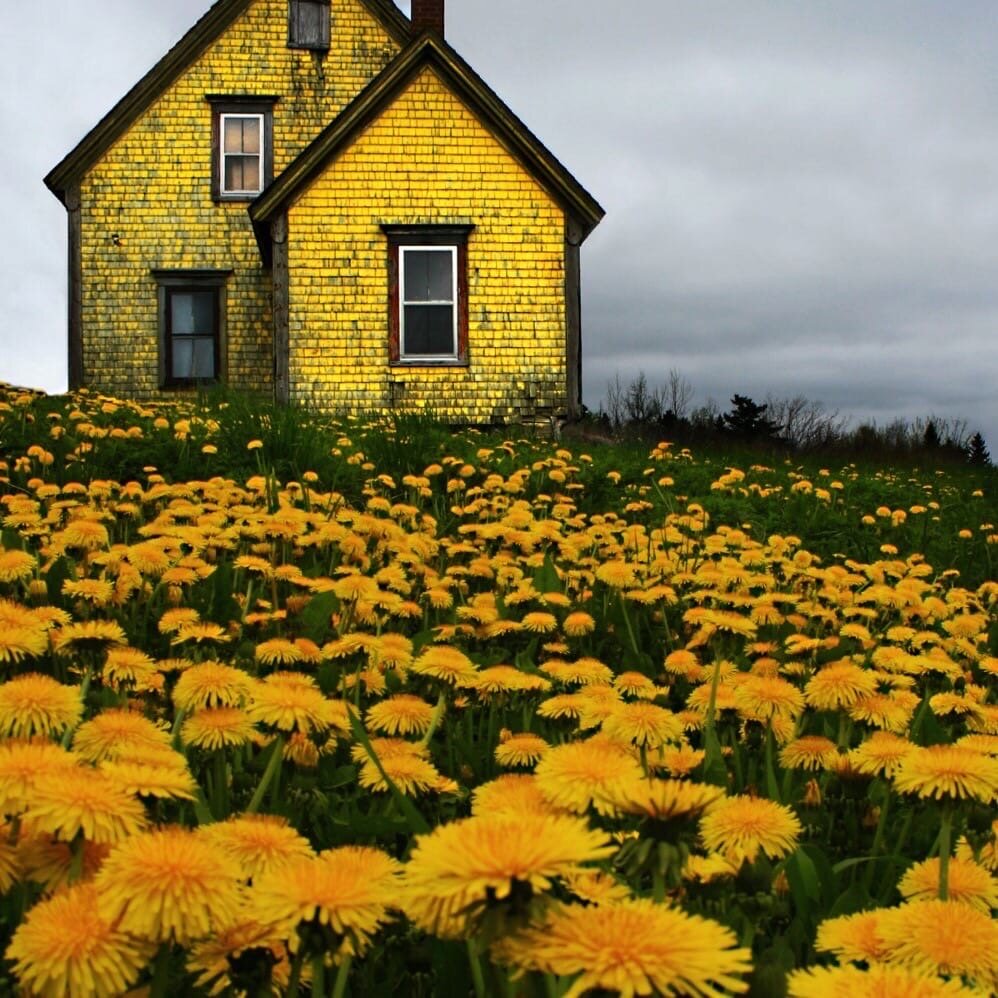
[
  {"x": 452, "y": 362},
  {"x": 234, "y": 198}
]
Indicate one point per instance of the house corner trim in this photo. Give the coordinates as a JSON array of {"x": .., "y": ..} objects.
[
  {"x": 75, "y": 285},
  {"x": 574, "y": 235},
  {"x": 282, "y": 303}
]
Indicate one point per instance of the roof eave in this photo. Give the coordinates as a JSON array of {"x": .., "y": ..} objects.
[
  {"x": 114, "y": 124},
  {"x": 428, "y": 48}
]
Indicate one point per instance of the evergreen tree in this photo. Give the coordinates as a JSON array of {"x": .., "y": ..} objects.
[
  {"x": 748, "y": 419},
  {"x": 930, "y": 439},
  {"x": 977, "y": 452}
]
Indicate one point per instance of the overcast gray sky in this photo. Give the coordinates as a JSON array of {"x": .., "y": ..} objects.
[{"x": 801, "y": 195}]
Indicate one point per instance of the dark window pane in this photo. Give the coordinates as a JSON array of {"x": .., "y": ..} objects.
[
  {"x": 429, "y": 275},
  {"x": 309, "y": 24},
  {"x": 192, "y": 312},
  {"x": 429, "y": 331},
  {"x": 193, "y": 358},
  {"x": 242, "y": 173}
]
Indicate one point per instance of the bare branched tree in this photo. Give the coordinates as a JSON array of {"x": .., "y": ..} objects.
[{"x": 678, "y": 394}]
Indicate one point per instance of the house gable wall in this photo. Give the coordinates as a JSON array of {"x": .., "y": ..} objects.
[
  {"x": 428, "y": 160},
  {"x": 147, "y": 205}
]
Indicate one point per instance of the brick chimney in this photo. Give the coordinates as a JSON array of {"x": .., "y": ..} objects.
[{"x": 428, "y": 15}]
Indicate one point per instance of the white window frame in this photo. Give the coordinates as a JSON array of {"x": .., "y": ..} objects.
[
  {"x": 223, "y": 118},
  {"x": 404, "y": 356}
]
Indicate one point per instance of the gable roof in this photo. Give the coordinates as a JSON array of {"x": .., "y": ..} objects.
[
  {"x": 121, "y": 117},
  {"x": 427, "y": 50}
]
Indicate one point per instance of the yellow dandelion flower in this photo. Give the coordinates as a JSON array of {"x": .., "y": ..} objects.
[
  {"x": 643, "y": 724},
  {"x": 49, "y": 862},
  {"x": 853, "y": 937},
  {"x": 279, "y": 651},
  {"x": 349, "y": 891},
  {"x": 34, "y": 704},
  {"x": 402, "y": 714},
  {"x": 948, "y": 771},
  {"x": 877, "y": 981},
  {"x": 764, "y": 697},
  {"x": 447, "y": 664},
  {"x": 168, "y": 884},
  {"x": 583, "y": 672},
  {"x": 742, "y": 827},
  {"x": 116, "y": 732},
  {"x": 539, "y": 622},
  {"x": 16, "y": 566},
  {"x": 943, "y": 937},
  {"x": 392, "y": 651},
  {"x": 83, "y": 801},
  {"x": 22, "y": 764},
  {"x": 86, "y": 535},
  {"x": 165, "y": 776},
  {"x": 172, "y": 620},
  {"x": 523, "y": 749},
  {"x": 459, "y": 869},
  {"x": 881, "y": 754},
  {"x": 509, "y": 795},
  {"x": 200, "y": 632},
  {"x": 289, "y": 705},
  {"x": 685, "y": 664},
  {"x": 707, "y": 869},
  {"x": 218, "y": 728},
  {"x": 18, "y": 643},
  {"x": 578, "y": 624},
  {"x": 617, "y": 574},
  {"x": 968, "y": 882},
  {"x": 676, "y": 761},
  {"x": 128, "y": 666},
  {"x": 809, "y": 752},
  {"x": 837, "y": 685},
  {"x": 87, "y": 635},
  {"x": 99, "y": 592},
  {"x": 632, "y": 947},
  {"x": 258, "y": 843},
  {"x": 662, "y": 800},
  {"x": 889, "y": 711},
  {"x": 214, "y": 960},
  {"x": 579, "y": 774},
  {"x": 499, "y": 679},
  {"x": 636, "y": 684},
  {"x": 65, "y": 947},
  {"x": 410, "y": 773},
  {"x": 212, "y": 684}
]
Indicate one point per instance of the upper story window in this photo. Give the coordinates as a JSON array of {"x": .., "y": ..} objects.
[
  {"x": 241, "y": 162},
  {"x": 308, "y": 24},
  {"x": 428, "y": 293},
  {"x": 242, "y": 155}
]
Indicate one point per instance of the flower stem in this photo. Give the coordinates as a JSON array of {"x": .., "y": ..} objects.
[
  {"x": 159, "y": 988},
  {"x": 945, "y": 834},
  {"x": 340, "y": 987},
  {"x": 84, "y": 689},
  {"x": 273, "y": 767},
  {"x": 477, "y": 977},
  {"x": 295, "y": 976},
  {"x": 319, "y": 976},
  {"x": 435, "y": 718}
]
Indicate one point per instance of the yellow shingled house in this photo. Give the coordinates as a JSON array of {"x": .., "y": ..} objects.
[{"x": 322, "y": 199}]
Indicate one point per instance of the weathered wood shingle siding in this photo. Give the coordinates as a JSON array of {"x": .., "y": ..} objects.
[
  {"x": 428, "y": 160},
  {"x": 146, "y": 204}
]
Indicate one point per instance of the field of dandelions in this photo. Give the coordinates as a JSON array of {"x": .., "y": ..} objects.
[{"x": 373, "y": 710}]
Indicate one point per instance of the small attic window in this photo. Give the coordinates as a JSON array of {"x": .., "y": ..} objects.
[{"x": 308, "y": 24}]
